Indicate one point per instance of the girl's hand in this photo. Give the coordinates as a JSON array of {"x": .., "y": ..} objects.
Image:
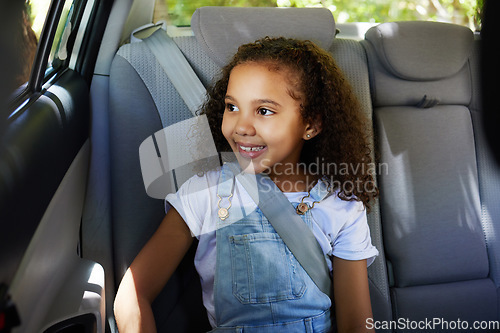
[
  {"x": 148, "y": 274},
  {"x": 351, "y": 295}
]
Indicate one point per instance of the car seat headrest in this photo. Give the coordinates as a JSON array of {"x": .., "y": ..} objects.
[
  {"x": 221, "y": 30},
  {"x": 421, "y": 50}
]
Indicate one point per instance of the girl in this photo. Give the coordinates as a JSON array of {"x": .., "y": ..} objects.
[{"x": 284, "y": 109}]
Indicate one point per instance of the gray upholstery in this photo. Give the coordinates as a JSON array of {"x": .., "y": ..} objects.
[
  {"x": 421, "y": 51},
  {"x": 434, "y": 55},
  {"x": 430, "y": 155},
  {"x": 134, "y": 116},
  {"x": 220, "y": 30},
  {"x": 432, "y": 208},
  {"x": 142, "y": 101},
  {"x": 351, "y": 58},
  {"x": 475, "y": 300}
]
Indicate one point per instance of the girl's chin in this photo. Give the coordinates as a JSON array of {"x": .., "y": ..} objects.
[{"x": 251, "y": 166}]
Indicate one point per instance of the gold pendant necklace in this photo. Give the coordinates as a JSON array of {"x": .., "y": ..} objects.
[
  {"x": 223, "y": 213},
  {"x": 303, "y": 207}
]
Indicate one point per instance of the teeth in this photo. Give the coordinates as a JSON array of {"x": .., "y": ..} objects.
[{"x": 252, "y": 148}]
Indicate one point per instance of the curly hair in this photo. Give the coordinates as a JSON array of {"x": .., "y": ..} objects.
[{"x": 342, "y": 145}]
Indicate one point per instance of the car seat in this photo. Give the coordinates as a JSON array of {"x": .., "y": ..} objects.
[{"x": 437, "y": 211}]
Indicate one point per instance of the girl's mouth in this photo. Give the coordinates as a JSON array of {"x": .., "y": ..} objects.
[
  {"x": 250, "y": 151},
  {"x": 247, "y": 149}
]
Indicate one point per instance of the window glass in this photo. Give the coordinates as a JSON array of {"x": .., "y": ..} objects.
[
  {"x": 463, "y": 12},
  {"x": 59, "y": 50},
  {"x": 30, "y": 26}
]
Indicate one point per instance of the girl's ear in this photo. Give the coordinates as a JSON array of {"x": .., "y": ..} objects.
[{"x": 312, "y": 130}]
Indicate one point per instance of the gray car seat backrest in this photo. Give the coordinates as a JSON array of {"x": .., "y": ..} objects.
[
  {"x": 221, "y": 30},
  {"x": 143, "y": 101},
  {"x": 137, "y": 86},
  {"x": 351, "y": 57},
  {"x": 421, "y": 81}
]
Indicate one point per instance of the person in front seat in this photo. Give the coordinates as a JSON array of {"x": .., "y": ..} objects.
[{"x": 284, "y": 109}]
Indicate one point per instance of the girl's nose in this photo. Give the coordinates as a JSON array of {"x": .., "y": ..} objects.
[{"x": 245, "y": 126}]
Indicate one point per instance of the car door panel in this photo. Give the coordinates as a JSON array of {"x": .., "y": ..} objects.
[
  {"x": 45, "y": 280},
  {"x": 40, "y": 143},
  {"x": 44, "y": 165}
]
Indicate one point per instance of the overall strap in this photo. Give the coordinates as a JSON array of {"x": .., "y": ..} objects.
[{"x": 293, "y": 231}]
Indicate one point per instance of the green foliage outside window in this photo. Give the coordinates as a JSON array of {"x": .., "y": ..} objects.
[{"x": 463, "y": 12}]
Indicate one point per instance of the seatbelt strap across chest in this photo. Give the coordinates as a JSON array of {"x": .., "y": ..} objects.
[{"x": 293, "y": 231}]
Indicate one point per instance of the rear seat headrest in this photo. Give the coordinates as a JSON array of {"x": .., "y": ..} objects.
[
  {"x": 421, "y": 50},
  {"x": 221, "y": 30}
]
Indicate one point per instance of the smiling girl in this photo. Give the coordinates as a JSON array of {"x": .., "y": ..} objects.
[{"x": 280, "y": 106}]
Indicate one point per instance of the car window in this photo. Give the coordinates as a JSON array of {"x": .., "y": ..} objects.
[
  {"x": 59, "y": 50},
  {"x": 28, "y": 27},
  {"x": 31, "y": 33},
  {"x": 463, "y": 12}
]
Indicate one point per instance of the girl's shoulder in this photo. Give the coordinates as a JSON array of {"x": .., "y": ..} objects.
[
  {"x": 201, "y": 182},
  {"x": 333, "y": 207}
]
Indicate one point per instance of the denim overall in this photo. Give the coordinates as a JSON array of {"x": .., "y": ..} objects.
[{"x": 259, "y": 285}]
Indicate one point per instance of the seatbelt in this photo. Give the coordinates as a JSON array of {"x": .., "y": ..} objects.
[
  {"x": 297, "y": 236},
  {"x": 293, "y": 231},
  {"x": 177, "y": 68}
]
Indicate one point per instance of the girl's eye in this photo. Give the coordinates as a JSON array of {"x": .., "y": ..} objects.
[
  {"x": 265, "y": 112},
  {"x": 231, "y": 107}
]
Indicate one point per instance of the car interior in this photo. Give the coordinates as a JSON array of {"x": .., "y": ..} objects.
[{"x": 73, "y": 197}]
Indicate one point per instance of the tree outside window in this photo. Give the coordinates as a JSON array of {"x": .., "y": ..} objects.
[{"x": 463, "y": 12}]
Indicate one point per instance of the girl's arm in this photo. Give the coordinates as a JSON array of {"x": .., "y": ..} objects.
[
  {"x": 148, "y": 274},
  {"x": 351, "y": 295}
]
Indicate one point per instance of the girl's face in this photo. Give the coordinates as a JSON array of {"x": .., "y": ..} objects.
[{"x": 262, "y": 122}]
